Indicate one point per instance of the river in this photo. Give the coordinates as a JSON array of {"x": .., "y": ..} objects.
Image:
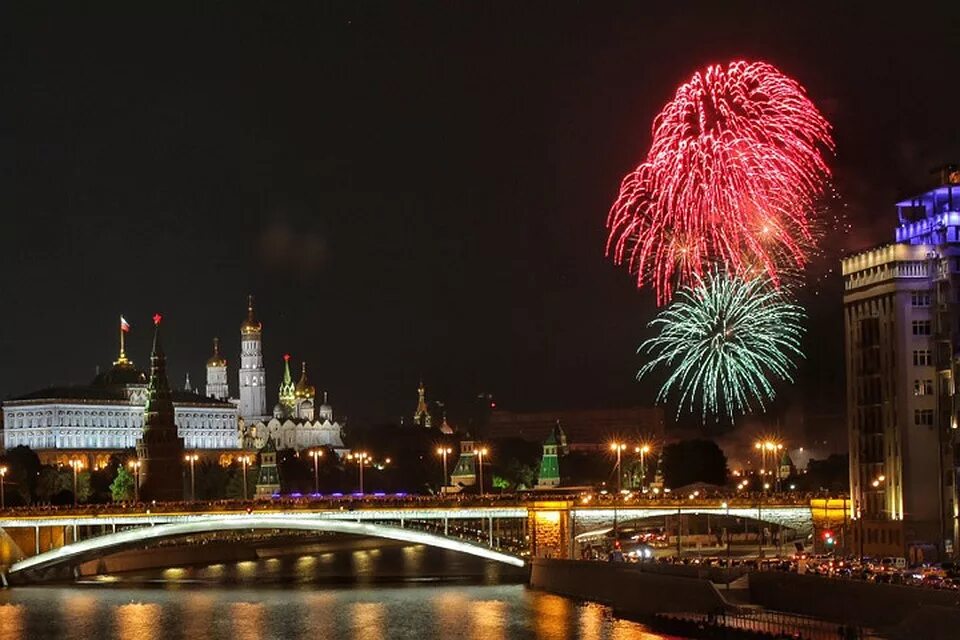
[{"x": 295, "y": 597}]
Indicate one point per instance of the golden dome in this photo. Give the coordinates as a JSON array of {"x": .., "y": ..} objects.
[
  {"x": 251, "y": 324},
  {"x": 304, "y": 389},
  {"x": 216, "y": 360}
]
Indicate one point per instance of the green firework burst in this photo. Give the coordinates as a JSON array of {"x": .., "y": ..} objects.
[{"x": 724, "y": 339}]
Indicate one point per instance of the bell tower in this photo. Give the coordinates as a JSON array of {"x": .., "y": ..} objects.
[{"x": 253, "y": 377}]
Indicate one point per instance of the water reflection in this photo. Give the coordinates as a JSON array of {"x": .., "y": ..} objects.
[
  {"x": 489, "y": 619},
  {"x": 551, "y": 616},
  {"x": 11, "y": 621},
  {"x": 138, "y": 620},
  {"x": 198, "y": 615},
  {"x": 78, "y": 606},
  {"x": 248, "y": 620},
  {"x": 368, "y": 620},
  {"x": 319, "y": 617}
]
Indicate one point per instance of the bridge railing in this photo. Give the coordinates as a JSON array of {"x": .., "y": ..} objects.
[{"x": 321, "y": 502}]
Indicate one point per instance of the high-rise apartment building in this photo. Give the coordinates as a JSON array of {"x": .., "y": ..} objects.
[{"x": 902, "y": 327}]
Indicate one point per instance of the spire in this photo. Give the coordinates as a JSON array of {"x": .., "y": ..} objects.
[
  {"x": 216, "y": 360},
  {"x": 159, "y": 400},
  {"x": 122, "y": 359},
  {"x": 160, "y": 449},
  {"x": 422, "y": 415},
  {"x": 251, "y": 324},
  {"x": 288, "y": 396},
  {"x": 304, "y": 389},
  {"x": 186, "y": 385}
]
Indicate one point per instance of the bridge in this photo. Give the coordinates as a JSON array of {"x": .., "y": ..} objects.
[{"x": 46, "y": 543}]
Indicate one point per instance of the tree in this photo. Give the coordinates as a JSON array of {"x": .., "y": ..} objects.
[
  {"x": 690, "y": 461},
  {"x": 24, "y": 471},
  {"x": 53, "y": 481},
  {"x": 234, "y": 489},
  {"x": 123, "y": 487},
  {"x": 500, "y": 483}
]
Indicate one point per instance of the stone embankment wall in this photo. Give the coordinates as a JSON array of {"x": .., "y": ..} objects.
[
  {"x": 630, "y": 591},
  {"x": 866, "y": 604}
]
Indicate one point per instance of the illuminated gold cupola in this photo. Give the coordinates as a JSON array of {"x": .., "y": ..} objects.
[
  {"x": 251, "y": 325},
  {"x": 216, "y": 360},
  {"x": 305, "y": 390}
]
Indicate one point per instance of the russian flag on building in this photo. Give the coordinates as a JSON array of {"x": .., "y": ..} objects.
[{"x": 124, "y": 325}]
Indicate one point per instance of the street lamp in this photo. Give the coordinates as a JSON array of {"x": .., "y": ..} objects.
[
  {"x": 316, "y": 454},
  {"x": 642, "y": 450},
  {"x": 480, "y": 453},
  {"x": 3, "y": 499},
  {"x": 361, "y": 458},
  {"x": 192, "y": 458},
  {"x": 444, "y": 451},
  {"x": 77, "y": 464},
  {"x": 244, "y": 461},
  {"x": 618, "y": 447},
  {"x": 135, "y": 465}
]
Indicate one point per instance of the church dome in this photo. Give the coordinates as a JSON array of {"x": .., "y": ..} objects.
[
  {"x": 216, "y": 360},
  {"x": 251, "y": 324},
  {"x": 120, "y": 374},
  {"x": 304, "y": 389}
]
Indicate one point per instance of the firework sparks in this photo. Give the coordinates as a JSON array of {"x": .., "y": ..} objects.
[
  {"x": 724, "y": 339},
  {"x": 734, "y": 170}
]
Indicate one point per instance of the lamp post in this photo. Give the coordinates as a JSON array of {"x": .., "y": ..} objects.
[
  {"x": 77, "y": 464},
  {"x": 618, "y": 447},
  {"x": 316, "y": 454},
  {"x": 642, "y": 450},
  {"x": 444, "y": 451},
  {"x": 480, "y": 453},
  {"x": 3, "y": 499},
  {"x": 361, "y": 458},
  {"x": 244, "y": 461},
  {"x": 135, "y": 465},
  {"x": 192, "y": 459}
]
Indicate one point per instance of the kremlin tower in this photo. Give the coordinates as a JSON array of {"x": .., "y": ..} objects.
[
  {"x": 253, "y": 378},
  {"x": 160, "y": 449},
  {"x": 217, "y": 386}
]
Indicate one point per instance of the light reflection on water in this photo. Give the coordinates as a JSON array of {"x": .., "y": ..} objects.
[
  {"x": 418, "y": 612},
  {"x": 313, "y": 595}
]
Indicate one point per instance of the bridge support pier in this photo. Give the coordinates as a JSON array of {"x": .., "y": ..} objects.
[
  {"x": 490, "y": 532},
  {"x": 36, "y": 538},
  {"x": 446, "y": 526}
]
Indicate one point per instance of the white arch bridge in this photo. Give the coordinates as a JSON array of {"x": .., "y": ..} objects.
[{"x": 44, "y": 544}]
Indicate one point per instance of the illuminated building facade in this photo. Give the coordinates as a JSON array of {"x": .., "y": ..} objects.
[
  {"x": 902, "y": 324},
  {"x": 107, "y": 416},
  {"x": 253, "y": 377}
]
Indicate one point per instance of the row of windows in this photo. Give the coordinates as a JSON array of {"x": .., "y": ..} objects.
[
  {"x": 920, "y": 298},
  {"x": 923, "y": 417},
  {"x": 921, "y": 327},
  {"x": 922, "y": 358}
]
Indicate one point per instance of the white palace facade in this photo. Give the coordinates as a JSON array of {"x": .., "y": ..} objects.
[{"x": 106, "y": 417}]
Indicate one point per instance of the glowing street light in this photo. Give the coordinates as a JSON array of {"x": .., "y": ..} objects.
[
  {"x": 444, "y": 451},
  {"x": 361, "y": 459},
  {"x": 3, "y": 499},
  {"x": 618, "y": 447},
  {"x": 316, "y": 454},
  {"x": 76, "y": 464},
  {"x": 480, "y": 453},
  {"x": 244, "y": 461},
  {"x": 192, "y": 459},
  {"x": 135, "y": 465},
  {"x": 642, "y": 450}
]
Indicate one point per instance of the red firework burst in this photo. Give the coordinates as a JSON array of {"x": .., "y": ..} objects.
[{"x": 733, "y": 172}]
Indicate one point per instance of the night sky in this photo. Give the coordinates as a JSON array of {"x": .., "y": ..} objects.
[{"x": 407, "y": 188}]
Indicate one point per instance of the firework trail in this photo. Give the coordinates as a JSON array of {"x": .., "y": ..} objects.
[
  {"x": 723, "y": 339},
  {"x": 734, "y": 170}
]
